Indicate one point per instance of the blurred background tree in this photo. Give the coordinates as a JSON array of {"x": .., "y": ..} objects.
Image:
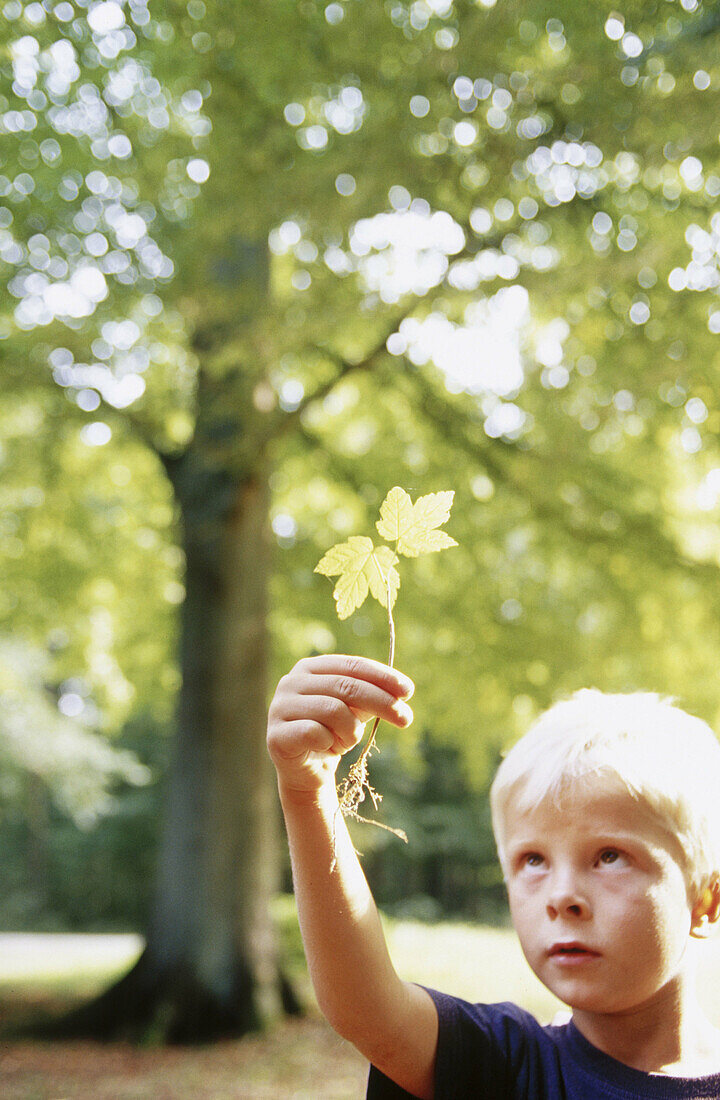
[{"x": 262, "y": 263}]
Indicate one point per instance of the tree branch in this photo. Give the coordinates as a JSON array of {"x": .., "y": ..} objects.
[
  {"x": 283, "y": 422},
  {"x": 645, "y": 535},
  {"x": 691, "y": 32}
]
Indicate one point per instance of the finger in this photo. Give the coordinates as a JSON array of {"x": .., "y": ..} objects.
[
  {"x": 360, "y": 668},
  {"x": 294, "y": 740},
  {"x": 360, "y": 696},
  {"x": 329, "y": 711}
]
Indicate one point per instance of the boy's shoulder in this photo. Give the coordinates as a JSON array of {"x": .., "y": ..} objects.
[
  {"x": 497, "y": 1051},
  {"x": 502, "y": 1052},
  {"x": 496, "y": 1042}
]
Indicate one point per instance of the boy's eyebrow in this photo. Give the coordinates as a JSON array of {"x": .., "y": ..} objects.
[
  {"x": 530, "y": 842},
  {"x": 600, "y": 838}
]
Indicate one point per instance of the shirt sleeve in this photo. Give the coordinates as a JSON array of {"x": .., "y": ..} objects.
[{"x": 474, "y": 1053}]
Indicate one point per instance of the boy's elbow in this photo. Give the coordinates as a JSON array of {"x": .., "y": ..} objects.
[
  {"x": 401, "y": 1041},
  {"x": 363, "y": 1012},
  {"x": 346, "y": 1021}
]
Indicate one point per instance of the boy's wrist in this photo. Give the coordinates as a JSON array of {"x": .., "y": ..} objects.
[{"x": 320, "y": 798}]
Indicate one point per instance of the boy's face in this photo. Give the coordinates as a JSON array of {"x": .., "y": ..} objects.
[{"x": 598, "y": 900}]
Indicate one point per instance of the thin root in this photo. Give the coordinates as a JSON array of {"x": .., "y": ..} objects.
[{"x": 353, "y": 790}]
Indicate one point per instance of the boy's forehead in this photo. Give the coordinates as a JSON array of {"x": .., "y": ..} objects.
[{"x": 599, "y": 807}]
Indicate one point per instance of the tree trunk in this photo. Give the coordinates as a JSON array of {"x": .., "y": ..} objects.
[
  {"x": 210, "y": 966},
  {"x": 36, "y": 815}
]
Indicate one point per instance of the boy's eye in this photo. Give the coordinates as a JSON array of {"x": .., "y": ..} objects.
[
  {"x": 609, "y": 855},
  {"x": 532, "y": 859}
]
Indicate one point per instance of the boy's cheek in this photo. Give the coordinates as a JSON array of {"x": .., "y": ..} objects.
[
  {"x": 525, "y": 921},
  {"x": 523, "y": 891}
]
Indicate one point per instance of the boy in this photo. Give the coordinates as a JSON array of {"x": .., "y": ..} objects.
[{"x": 607, "y": 821}]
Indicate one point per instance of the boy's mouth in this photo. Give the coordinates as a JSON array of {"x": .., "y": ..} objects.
[{"x": 572, "y": 950}]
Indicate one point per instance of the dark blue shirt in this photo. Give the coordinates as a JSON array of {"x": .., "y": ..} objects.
[{"x": 501, "y": 1052}]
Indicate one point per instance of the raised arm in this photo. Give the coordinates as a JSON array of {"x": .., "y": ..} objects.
[{"x": 317, "y": 714}]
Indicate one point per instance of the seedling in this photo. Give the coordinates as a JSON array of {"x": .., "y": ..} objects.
[{"x": 363, "y": 568}]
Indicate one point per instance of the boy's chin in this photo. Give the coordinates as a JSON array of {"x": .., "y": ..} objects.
[
  {"x": 582, "y": 994},
  {"x": 594, "y": 1003},
  {"x": 601, "y": 1002}
]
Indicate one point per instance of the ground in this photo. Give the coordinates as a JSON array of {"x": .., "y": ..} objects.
[
  {"x": 301, "y": 1060},
  {"x": 48, "y": 972}
]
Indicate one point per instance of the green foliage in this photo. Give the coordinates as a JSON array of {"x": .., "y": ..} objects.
[
  {"x": 450, "y": 867},
  {"x": 62, "y": 872},
  {"x": 454, "y": 242},
  {"x": 36, "y": 738}
]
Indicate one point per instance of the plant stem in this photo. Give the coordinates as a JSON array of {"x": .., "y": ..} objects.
[{"x": 391, "y": 657}]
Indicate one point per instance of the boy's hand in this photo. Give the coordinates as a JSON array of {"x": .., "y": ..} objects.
[{"x": 319, "y": 712}]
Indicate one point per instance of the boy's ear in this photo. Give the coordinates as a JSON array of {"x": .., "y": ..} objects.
[{"x": 706, "y": 909}]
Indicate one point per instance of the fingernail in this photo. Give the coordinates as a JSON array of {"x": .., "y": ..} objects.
[
  {"x": 403, "y": 711},
  {"x": 408, "y": 689}
]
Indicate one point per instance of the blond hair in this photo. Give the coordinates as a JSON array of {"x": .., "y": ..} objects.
[{"x": 667, "y": 760}]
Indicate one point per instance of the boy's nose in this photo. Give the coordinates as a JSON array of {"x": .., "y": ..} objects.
[{"x": 566, "y": 900}]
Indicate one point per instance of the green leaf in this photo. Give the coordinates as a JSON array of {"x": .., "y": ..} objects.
[
  {"x": 414, "y": 526},
  {"x": 361, "y": 568}
]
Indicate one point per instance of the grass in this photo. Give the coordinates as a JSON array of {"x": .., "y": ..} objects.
[
  {"x": 477, "y": 963},
  {"x": 300, "y": 1060},
  {"x": 72, "y": 964}
]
